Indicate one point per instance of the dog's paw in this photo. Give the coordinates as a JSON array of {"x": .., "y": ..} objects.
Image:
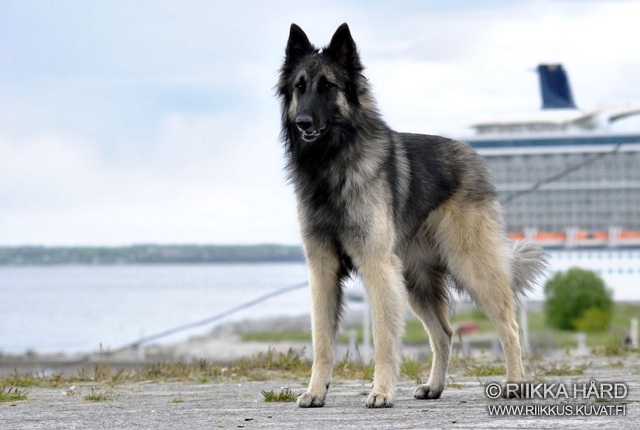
[
  {"x": 426, "y": 392},
  {"x": 311, "y": 400},
  {"x": 379, "y": 400}
]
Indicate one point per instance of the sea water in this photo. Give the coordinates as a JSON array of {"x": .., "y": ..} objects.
[{"x": 81, "y": 308}]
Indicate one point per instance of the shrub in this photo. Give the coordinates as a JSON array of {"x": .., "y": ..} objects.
[
  {"x": 593, "y": 319},
  {"x": 577, "y": 299}
]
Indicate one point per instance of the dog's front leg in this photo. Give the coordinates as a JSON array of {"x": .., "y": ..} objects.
[
  {"x": 326, "y": 303},
  {"x": 387, "y": 297}
]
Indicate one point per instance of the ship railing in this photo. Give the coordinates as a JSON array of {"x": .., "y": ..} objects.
[{"x": 574, "y": 237}]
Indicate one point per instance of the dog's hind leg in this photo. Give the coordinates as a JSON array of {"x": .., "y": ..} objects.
[
  {"x": 474, "y": 246},
  {"x": 490, "y": 288},
  {"x": 326, "y": 301},
  {"x": 427, "y": 299}
]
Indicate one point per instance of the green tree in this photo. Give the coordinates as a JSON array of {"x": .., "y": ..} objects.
[{"x": 577, "y": 299}]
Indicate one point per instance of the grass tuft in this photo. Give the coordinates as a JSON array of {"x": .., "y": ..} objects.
[
  {"x": 453, "y": 384},
  {"x": 19, "y": 380},
  {"x": 350, "y": 369},
  {"x": 285, "y": 395},
  {"x": 411, "y": 368},
  {"x": 96, "y": 396},
  {"x": 561, "y": 370},
  {"x": 484, "y": 370},
  {"x": 12, "y": 394}
]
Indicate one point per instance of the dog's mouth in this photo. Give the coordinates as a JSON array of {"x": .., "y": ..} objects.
[{"x": 311, "y": 135}]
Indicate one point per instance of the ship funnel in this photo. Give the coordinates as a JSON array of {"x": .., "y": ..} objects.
[{"x": 554, "y": 87}]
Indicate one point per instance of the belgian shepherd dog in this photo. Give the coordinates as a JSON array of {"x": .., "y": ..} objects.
[{"x": 415, "y": 216}]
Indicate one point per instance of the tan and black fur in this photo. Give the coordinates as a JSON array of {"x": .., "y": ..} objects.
[{"x": 412, "y": 215}]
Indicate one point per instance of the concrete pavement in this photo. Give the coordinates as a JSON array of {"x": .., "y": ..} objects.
[{"x": 233, "y": 405}]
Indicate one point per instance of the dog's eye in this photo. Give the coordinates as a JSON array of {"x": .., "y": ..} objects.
[
  {"x": 300, "y": 85},
  {"x": 324, "y": 85}
]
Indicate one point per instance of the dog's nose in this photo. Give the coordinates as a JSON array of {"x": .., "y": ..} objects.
[{"x": 304, "y": 122}]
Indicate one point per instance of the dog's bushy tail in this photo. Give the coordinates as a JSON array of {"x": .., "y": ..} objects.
[{"x": 529, "y": 264}]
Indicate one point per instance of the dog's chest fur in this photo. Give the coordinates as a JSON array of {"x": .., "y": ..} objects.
[{"x": 340, "y": 197}]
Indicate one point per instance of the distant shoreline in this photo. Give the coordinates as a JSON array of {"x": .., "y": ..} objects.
[{"x": 149, "y": 254}]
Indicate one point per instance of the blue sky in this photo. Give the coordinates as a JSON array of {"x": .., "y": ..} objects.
[{"x": 128, "y": 122}]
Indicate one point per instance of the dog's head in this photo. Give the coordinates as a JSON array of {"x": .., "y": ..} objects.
[{"x": 318, "y": 88}]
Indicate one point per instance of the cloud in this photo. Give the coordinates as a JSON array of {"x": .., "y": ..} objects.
[
  {"x": 206, "y": 180},
  {"x": 125, "y": 123}
]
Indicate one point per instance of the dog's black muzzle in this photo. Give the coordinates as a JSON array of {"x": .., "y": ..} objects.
[
  {"x": 310, "y": 128},
  {"x": 309, "y": 131}
]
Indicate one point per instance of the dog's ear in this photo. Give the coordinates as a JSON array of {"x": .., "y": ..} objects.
[
  {"x": 298, "y": 44},
  {"x": 342, "y": 47}
]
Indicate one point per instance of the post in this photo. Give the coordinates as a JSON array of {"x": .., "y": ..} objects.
[
  {"x": 530, "y": 233},
  {"x": 140, "y": 350},
  {"x": 524, "y": 327},
  {"x": 366, "y": 331},
  {"x": 570, "y": 241},
  {"x": 614, "y": 233},
  {"x": 582, "y": 349},
  {"x": 633, "y": 333}
]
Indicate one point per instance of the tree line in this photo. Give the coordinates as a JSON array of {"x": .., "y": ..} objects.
[{"x": 149, "y": 254}]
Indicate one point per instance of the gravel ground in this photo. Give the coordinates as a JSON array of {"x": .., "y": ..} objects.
[
  {"x": 232, "y": 405},
  {"x": 240, "y": 404}
]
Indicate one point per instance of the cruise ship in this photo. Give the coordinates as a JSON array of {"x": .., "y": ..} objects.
[{"x": 568, "y": 181}]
